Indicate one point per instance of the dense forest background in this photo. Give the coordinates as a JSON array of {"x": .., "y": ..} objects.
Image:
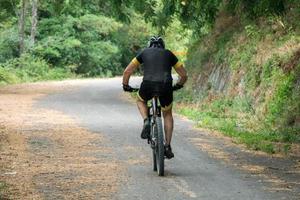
[
  {"x": 243, "y": 56},
  {"x": 42, "y": 40}
]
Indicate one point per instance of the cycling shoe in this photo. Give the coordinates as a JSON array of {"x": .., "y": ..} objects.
[
  {"x": 146, "y": 129},
  {"x": 168, "y": 152}
]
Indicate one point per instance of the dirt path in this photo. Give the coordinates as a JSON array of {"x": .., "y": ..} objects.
[{"x": 45, "y": 154}]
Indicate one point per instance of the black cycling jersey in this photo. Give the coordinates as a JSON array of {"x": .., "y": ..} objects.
[{"x": 158, "y": 64}]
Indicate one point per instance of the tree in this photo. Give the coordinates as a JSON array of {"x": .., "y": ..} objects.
[
  {"x": 34, "y": 21},
  {"x": 22, "y": 18}
]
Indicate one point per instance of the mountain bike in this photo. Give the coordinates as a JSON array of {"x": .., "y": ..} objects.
[{"x": 156, "y": 139}]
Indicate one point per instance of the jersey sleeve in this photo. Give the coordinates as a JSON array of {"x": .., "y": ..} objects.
[
  {"x": 139, "y": 57},
  {"x": 174, "y": 60}
]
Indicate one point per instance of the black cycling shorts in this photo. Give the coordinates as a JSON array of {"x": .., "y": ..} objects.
[{"x": 149, "y": 89}]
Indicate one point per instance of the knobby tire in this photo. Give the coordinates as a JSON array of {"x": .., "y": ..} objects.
[
  {"x": 160, "y": 150},
  {"x": 154, "y": 135}
]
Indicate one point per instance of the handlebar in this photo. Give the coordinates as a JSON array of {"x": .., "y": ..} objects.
[
  {"x": 137, "y": 89},
  {"x": 128, "y": 88}
]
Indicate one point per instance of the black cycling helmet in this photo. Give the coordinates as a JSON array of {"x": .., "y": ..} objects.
[{"x": 156, "y": 41}]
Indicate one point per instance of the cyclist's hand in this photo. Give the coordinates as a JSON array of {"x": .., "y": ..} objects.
[
  {"x": 127, "y": 88},
  {"x": 177, "y": 87}
]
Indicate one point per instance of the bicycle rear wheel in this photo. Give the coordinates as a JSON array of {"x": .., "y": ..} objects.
[
  {"x": 160, "y": 149},
  {"x": 153, "y": 136},
  {"x": 154, "y": 160}
]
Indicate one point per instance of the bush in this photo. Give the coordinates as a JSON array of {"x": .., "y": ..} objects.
[
  {"x": 7, "y": 77},
  {"x": 28, "y": 68},
  {"x": 8, "y": 44},
  {"x": 60, "y": 52},
  {"x": 100, "y": 58}
]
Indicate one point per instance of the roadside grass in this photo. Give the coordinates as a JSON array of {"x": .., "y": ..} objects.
[
  {"x": 30, "y": 69},
  {"x": 3, "y": 191},
  {"x": 239, "y": 128}
]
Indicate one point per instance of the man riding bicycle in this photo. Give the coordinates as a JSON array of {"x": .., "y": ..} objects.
[{"x": 158, "y": 63}]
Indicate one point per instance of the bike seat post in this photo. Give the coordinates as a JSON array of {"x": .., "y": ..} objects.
[
  {"x": 157, "y": 107},
  {"x": 154, "y": 105}
]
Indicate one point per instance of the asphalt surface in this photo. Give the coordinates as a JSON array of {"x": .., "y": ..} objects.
[{"x": 101, "y": 107}]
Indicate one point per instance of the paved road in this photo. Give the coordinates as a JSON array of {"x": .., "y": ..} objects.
[{"x": 193, "y": 173}]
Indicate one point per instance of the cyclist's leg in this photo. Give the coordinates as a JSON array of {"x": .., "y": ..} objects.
[
  {"x": 168, "y": 119},
  {"x": 168, "y": 124},
  {"x": 142, "y": 108},
  {"x": 143, "y": 96},
  {"x": 166, "y": 105}
]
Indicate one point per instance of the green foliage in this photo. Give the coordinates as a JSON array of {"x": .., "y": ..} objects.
[
  {"x": 8, "y": 44},
  {"x": 75, "y": 8},
  {"x": 177, "y": 38},
  {"x": 195, "y": 63},
  {"x": 243, "y": 104},
  {"x": 198, "y": 15},
  {"x": 7, "y": 10},
  {"x": 193, "y": 14},
  {"x": 7, "y": 77},
  {"x": 257, "y": 8},
  {"x": 260, "y": 106},
  {"x": 101, "y": 58},
  {"x": 98, "y": 26},
  {"x": 81, "y": 44},
  {"x": 284, "y": 106},
  {"x": 237, "y": 116},
  {"x": 76, "y": 36},
  {"x": 283, "y": 92},
  {"x": 4, "y": 194},
  {"x": 230, "y": 127},
  {"x": 28, "y": 68},
  {"x": 131, "y": 38},
  {"x": 252, "y": 30},
  {"x": 219, "y": 50}
]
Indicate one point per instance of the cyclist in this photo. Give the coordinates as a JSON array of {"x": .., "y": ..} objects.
[{"x": 158, "y": 63}]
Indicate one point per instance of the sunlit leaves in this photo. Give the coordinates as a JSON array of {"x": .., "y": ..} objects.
[{"x": 102, "y": 25}]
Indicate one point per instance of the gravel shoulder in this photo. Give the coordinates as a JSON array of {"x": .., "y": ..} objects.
[{"x": 45, "y": 154}]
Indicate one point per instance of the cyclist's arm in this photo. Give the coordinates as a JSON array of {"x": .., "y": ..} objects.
[
  {"x": 132, "y": 66},
  {"x": 182, "y": 73}
]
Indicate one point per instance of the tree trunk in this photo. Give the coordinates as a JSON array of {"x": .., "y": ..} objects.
[
  {"x": 22, "y": 26},
  {"x": 34, "y": 21}
]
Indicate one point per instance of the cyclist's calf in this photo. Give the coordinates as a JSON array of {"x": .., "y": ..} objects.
[{"x": 168, "y": 125}]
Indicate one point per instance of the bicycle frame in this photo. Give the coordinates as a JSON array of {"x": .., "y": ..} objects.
[
  {"x": 154, "y": 111},
  {"x": 157, "y": 136}
]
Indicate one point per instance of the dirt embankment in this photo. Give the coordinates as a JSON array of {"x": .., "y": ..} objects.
[{"x": 45, "y": 155}]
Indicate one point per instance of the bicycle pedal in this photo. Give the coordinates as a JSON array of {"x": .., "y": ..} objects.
[{"x": 152, "y": 145}]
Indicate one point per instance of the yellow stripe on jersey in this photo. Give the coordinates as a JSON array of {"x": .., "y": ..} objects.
[
  {"x": 139, "y": 97},
  {"x": 178, "y": 64},
  {"x": 135, "y": 61},
  {"x": 167, "y": 107}
]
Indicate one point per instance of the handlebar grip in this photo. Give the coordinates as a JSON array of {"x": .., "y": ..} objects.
[{"x": 135, "y": 89}]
